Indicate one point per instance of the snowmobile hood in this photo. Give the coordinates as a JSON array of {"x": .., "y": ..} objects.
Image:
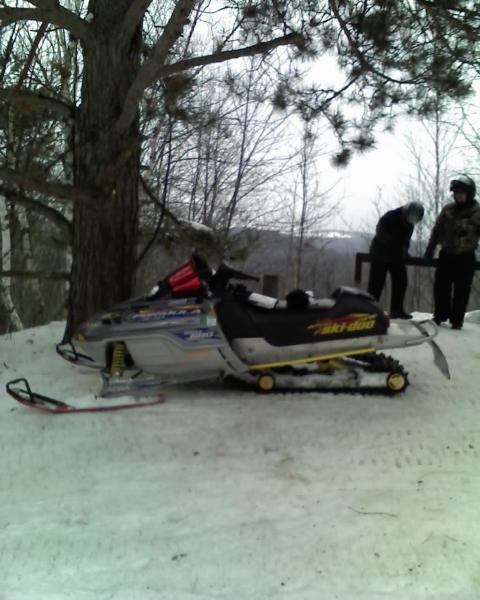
[{"x": 133, "y": 318}]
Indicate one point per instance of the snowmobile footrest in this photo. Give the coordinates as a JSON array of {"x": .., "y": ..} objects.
[{"x": 68, "y": 351}]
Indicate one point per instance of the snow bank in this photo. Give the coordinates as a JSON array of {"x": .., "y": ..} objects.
[{"x": 473, "y": 317}]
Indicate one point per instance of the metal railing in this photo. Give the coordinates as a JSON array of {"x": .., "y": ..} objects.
[{"x": 416, "y": 261}]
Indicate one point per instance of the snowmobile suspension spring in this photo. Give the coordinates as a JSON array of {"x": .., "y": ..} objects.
[{"x": 118, "y": 357}]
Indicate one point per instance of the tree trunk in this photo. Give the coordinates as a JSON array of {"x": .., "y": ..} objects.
[
  {"x": 12, "y": 321},
  {"x": 106, "y": 160},
  {"x": 31, "y": 288}
]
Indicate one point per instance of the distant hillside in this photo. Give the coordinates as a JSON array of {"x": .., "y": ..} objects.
[{"x": 327, "y": 258}]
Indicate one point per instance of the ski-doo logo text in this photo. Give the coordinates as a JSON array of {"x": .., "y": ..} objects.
[{"x": 345, "y": 324}]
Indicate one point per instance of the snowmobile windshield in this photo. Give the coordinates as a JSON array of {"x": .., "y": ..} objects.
[{"x": 190, "y": 279}]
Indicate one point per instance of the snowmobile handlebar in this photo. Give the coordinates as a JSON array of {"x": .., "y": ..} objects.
[
  {"x": 195, "y": 277},
  {"x": 224, "y": 274}
]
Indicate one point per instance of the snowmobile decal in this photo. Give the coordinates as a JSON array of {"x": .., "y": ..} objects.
[
  {"x": 169, "y": 309},
  {"x": 163, "y": 315},
  {"x": 310, "y": 359},
  {"x": 203, "y": 334},
  {"x": 208, "y": 320},
  {"x": 344, "y": 324}
]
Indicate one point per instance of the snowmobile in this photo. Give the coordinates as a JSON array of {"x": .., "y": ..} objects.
[{"x": 196, "y": 324}]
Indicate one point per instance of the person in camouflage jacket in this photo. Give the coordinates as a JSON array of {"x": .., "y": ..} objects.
[{"x": 457, "y": 231}]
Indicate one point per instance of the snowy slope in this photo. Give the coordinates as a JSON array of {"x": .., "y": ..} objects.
[{"x": 225, "y": 494}]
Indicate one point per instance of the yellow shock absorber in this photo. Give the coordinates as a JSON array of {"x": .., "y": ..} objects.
[{"x": 118, "y": 356}]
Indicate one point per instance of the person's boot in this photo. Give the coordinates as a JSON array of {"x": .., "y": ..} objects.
[
  {"x": 457, "y": 325},
  {"x": 440, "y": 318},
  {"x": 400, "y": 314}
]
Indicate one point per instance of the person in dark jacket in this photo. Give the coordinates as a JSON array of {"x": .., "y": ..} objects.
[
  {"x": 388, "y": 252},
  {"x": 457, "y": 231}
]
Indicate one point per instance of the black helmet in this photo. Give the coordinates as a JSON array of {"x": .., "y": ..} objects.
[
  {"x": 414, "y": 212},
  {"x": 464, "y": 183}
]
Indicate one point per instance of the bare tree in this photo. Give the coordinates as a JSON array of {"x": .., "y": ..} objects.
[
  {"x": 32, "y": 142},
  {"x": 12, "y": 319},
  {"x": 226, "y": 161},
  {"x": 308, "y": 207},
  {"x": 431, "y": 161}
]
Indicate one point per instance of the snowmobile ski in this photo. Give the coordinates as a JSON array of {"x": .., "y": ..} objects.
[
  {"x": 20, "y": 390},
  {"x": 439, "y": 359}
]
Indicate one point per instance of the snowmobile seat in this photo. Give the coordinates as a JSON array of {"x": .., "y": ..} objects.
[
  {"x": 346, "y": 290},
  {"x": 270, "y": 302},
  {"x": 351, "y": 313}
]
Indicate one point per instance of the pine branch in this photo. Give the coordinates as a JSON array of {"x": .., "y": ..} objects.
[
  {"x": 57, "y": 190},
  {"x": 31, "y": 100},
  {"x": 364, "y": 63},
  {"x": 56, "y": 275},
  {"x": 152, "y": 71},
  {"x": 47, "y": 12},
  {"x": 54, "y": 216},
  {"x": 147, "y": 74}
]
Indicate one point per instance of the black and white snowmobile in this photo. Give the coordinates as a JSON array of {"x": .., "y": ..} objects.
[{"x": 197, "y": 325}]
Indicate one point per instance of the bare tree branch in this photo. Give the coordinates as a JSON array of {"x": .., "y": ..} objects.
[
  {"x": 147, "y": 73},
  {"x": 57, "y": 190},
  {"x": 28, "y": 101},
  {"x": 36, "y": 275},
  {"x": 163, "y": 212},
  {"x": 31, "y": 55},
  {"x": 38, "y": 207},
  {"x": 7, "y": 52},
  {"x": 292, "y": 39},
  {"x": 43, "y": 3},
  {"x": 49, "y": 13},
  {"x": 134, "y": 15}
]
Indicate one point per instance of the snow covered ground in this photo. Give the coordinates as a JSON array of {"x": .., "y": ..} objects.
[{"x": 220, "y": 494}]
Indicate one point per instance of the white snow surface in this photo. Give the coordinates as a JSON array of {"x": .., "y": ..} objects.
[{"x": 221, "y": 494}]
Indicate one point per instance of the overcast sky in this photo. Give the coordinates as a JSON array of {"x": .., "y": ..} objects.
[
  {"x": 388, "y": 166},
  {"x": 385, "y": 170}
]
